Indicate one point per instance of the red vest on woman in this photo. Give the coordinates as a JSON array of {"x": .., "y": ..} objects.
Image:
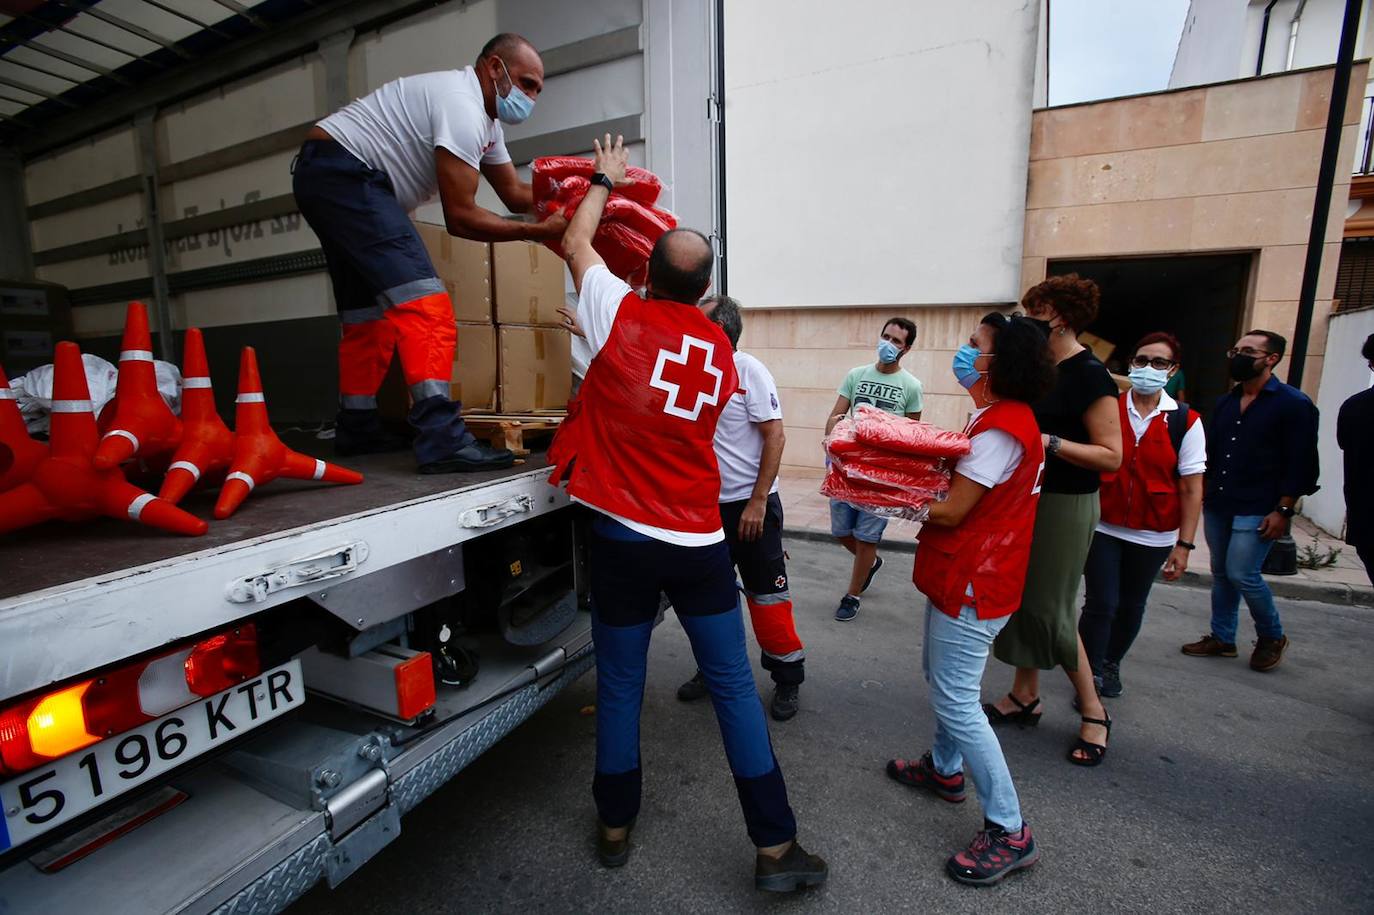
[
  {"x": 638, "y": 438},
  {"x": 990, "y": 548},
  {"x": 1143, "y": 494}
]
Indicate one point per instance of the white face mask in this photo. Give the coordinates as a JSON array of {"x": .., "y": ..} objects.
[{"x": 1148, "y": 380}]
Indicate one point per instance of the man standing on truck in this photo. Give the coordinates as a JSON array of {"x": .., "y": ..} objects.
[
  {"x": 637, "y": 448},
  {"x": 749, "y": 442},
  {"x": 360, "y": 173}
]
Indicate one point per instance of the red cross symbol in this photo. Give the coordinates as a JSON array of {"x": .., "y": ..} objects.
[{"x": 688, "y": 377}]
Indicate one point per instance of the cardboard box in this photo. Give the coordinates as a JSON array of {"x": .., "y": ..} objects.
[
  {"x": 465, "y": 269},
  {"x": 1102, "y": 349},
  {"x": 536, "y": 368},
  {"x": 473, "y": 382},
  {"x": 528, "y": 284}
]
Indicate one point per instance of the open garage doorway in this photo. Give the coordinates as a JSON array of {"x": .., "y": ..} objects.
[{"x": 1198, "y": 298}]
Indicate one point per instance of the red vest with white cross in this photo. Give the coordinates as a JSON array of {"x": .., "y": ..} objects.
[
  {"x": 638, "y": 438},
  {"x": 990, "y": 548}
]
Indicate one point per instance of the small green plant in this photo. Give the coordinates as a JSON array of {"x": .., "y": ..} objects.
[{"x": 1312, "y": 557}]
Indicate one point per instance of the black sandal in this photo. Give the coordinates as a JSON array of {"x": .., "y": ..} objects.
[
  {"x": 1024, "y": 715},
  {"x": 1096, "y": 752}
]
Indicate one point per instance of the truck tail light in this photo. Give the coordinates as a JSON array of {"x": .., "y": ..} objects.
[{"x": 45, "y": 727}]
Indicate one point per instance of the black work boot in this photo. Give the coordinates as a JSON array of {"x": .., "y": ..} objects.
[
  {"x": 693, "y": 689},
  {"x": 363, "y": 432},
  {"x": 613, "y": 852},
  {"x": 785, "y": 702},
  {"x": 475, "y": 456},
  {"x": 793, "y": 871}
]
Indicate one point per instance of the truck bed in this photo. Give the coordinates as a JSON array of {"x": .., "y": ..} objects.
[{"x": 96, "y": 593}]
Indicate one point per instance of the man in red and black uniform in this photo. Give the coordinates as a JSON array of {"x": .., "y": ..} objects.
[{"x": 637, "y": 448}]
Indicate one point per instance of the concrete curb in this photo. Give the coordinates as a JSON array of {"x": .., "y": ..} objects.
[{"x": 1282, "y": 586}]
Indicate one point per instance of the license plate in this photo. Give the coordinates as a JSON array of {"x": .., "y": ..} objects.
[{"x": 47, "y": 797}]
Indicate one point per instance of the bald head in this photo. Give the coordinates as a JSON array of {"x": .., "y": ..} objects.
[
  {"x": 509, "y": 60},
  {"x": 680, "y": 267}
]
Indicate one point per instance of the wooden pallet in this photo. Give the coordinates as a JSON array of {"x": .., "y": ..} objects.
[{"x": 515, "y": 431}]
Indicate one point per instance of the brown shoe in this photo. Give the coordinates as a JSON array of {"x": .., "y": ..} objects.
[
  {"x": 1210, "y": 646},
  {"x": 612, "y": 852},
  {"x": 1268, "y": 653},
  {"x": 794, "y": 870}
]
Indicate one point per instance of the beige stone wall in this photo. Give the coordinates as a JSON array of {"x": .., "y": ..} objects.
[
  {"x": 1223, "y": 168},
  {"x": 1230, "y": 167}
]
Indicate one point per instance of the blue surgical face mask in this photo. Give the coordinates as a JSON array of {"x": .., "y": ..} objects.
[
  {"x": 965, "y": 372},
  {"x": 1148, "y": 379},
  {"x": 887, "y": 352},
  {"x": 515, "y": 106}
]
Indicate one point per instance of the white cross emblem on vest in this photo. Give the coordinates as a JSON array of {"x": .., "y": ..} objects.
[{"x": 689, "y": 380}]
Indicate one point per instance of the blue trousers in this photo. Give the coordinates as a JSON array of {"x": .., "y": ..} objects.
[
  {"x": 1238, "y": 554},
  {"x": 628, "y": 573}
]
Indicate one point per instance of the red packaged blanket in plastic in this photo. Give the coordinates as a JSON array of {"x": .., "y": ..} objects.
[
  {"x": 549, "y": 172},
  {"x": 911, "y": 436},
  {"x": 876, "y": 498},
  {"x": 625, "y": 251},
  {"x": 918, "y": 475}
]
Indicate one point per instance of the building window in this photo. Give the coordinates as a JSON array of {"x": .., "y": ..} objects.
[{"x": 1355, "y": 277}]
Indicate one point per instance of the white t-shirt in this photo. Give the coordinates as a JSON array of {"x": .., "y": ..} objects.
[
  {"x": 397, "y": 128},
  {"x": 739, "y": 443},
  {"x": 597, "y": 306},
  {"x": 994, "y": 457},
  {"x": 1192, "y": 458}
]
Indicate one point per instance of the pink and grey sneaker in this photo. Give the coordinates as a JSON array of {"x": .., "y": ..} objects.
[
  {"x": 993, "y": 854},
  {"x": 921, "y": 773}
]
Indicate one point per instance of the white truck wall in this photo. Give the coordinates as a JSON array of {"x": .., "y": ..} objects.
[
  {"x": 877, "y": 155},
  {"x": 1210, "y": 48},
  {"x": 1344, "y": 372}
]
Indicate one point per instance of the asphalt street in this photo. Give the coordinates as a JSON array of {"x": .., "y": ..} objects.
[{"x": 1223, "y": 790}]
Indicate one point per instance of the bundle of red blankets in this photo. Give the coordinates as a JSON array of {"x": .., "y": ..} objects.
[
  {"x": 630, "y": 224},
  {"x": 890, "y": 465}
]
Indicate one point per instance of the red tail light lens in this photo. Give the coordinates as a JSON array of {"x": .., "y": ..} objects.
[
  {"x": 64, "y": 720},
  {"x": 223, "y": 661}
]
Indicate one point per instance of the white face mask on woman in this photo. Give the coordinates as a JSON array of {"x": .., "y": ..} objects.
[{"x": 1147, "y": 379}]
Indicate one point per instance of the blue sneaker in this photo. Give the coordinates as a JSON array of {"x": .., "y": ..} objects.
[{"x": 848, "y": 609}]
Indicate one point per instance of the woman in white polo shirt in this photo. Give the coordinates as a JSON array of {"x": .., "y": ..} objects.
[{"x": 1150, "y": 510}]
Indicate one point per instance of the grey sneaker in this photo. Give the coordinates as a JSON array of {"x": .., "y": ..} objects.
[
  {"x": 1110, "y": 687},
  {"x": 848, "y": 609},
  {"x": 793, "y": 871}
]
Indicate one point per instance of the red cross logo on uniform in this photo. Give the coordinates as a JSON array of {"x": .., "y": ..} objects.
[{"x": 688, "y": 377}]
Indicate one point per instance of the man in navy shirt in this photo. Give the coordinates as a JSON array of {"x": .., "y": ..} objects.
[
  {"x": 1261, "y": 457},
  {"x": 1355, "y": 435}
]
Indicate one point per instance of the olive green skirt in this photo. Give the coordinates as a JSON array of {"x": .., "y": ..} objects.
[{"x": 1044, "y": 632}]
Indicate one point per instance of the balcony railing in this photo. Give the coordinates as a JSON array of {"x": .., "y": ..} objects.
[{"x": 1365, "y": 163}]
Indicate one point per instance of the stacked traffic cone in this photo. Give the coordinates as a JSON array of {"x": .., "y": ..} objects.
[
  {"x": 207, "y": 445},
  {"x": 142, "y": 424},
  {"x": 67, "y": 484},
  {"x": 259, "y": 456},
  {"x": 24, "y": 452}
]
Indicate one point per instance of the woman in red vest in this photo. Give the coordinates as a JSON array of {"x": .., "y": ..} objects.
[
  {"x": 971, "y": 565},
  {"x": 1150, "y": 509}
]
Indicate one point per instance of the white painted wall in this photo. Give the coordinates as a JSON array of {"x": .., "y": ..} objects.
[
  {"x": 1344, "y": 372},
  {"x": 1209, "y": 50},
  {"x": 877, "y": 153}
]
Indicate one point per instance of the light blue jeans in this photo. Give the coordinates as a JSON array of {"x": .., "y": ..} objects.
[
  {"x": 1238, "y": 554},
  {"x": 953, "y": 656}
]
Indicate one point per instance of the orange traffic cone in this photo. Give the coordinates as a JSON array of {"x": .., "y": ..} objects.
[
  {"x": 142, "y": 424},
  {"x": 259, "y": 456},
  {"x": 207, "y": 445},
  {"x": 24, "y": 452},
  {"x": 67, "y": 484}
]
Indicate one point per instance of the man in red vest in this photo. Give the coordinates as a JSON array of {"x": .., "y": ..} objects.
[{"x": 637, "y": 448}]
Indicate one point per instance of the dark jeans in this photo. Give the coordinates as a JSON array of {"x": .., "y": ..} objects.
[
  {"x": 1117, "y": 576},
  {"x": 1366, "y": 553}
]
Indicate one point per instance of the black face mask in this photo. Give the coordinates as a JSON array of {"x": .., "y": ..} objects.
[
  {"x": 1042, "y": 326},
  {"x": 1244, "y": 367}
]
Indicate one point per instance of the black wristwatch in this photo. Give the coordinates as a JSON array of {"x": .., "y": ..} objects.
[
  {"x": 602, "y": 179},
  {"x": 1186, "y": 545},
  {"x": 1285, "y": 510}
]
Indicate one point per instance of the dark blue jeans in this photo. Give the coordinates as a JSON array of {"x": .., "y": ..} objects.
[
  {"x": 1238, "y": 555},
  {"x": 628, "y": 572},
  {"x": 1117, "y": 579}
]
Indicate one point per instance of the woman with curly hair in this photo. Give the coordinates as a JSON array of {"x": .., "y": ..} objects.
[
  {"x": 1081, "y": 429},
  {"x": 970, "y": 565}
]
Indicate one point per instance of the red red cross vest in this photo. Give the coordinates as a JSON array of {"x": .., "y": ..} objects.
[
  {"x": 990, "y": 549},
  {"x": 638, "y": 438},
  {"x": 1143, "y": 494}
]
